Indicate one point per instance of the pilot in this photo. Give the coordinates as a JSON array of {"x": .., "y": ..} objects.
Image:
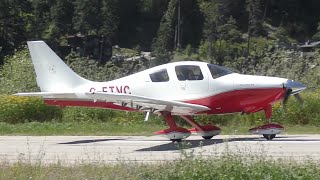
[{"x": 188, "y": 73}]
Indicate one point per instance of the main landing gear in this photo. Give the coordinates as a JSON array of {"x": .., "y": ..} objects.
[
  {"x": 270, "y": 130},
  {"x": 176, "y": 134}
]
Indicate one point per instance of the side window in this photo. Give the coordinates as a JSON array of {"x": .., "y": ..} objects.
[
  {"x": 188, "y": 72},
  {"x": 159, "y": 76}
]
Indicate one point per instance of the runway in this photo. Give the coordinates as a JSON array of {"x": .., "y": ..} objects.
[{"x": 152, "y": 149}]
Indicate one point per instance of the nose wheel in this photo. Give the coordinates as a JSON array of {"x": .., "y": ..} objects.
[
  {"x": 207, "y": 137},
  {"x": 269, "y": 136},
  {"x": 176, "y": 140},
  {"x": 270, "y": 130}
]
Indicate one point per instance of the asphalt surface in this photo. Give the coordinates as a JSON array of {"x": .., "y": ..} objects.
[{"x": 153, "y": 149}]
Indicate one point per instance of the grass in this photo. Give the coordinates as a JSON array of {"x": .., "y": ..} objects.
[
  {"x": 95, "y": 128},
  {"x": 224, "y": 167},
  {"x": 73, "y": 128}
]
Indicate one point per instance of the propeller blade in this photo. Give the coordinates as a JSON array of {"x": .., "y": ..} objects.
[
  {"x": 286, "y": 97},
  {"x": 299, "y": 99}
]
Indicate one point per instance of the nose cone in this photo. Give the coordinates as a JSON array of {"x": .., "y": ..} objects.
[{"x": 295, "y": 86}]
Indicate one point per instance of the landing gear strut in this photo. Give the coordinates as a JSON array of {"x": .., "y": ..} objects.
[
  {"x": 270, "y": 130},
  {"x": 206, "y": 131},
  {"x": 174, "y": 133}
]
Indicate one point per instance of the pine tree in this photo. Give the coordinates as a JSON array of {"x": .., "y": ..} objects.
[
  {"x": 41, "y": 18},
  {"x": 164, "y": 40},
  {"x": 316, "y": 36},
  {"x": 86, "y": 19},
  {"x": 255, "y": 23},
  {"x": 212, "y": 19},
  {"x": 62, "y": 12},
  {"x": 229, "y": 31},
  {"x": 109, "y": 18},
  {"x": 14, "y": 19}
]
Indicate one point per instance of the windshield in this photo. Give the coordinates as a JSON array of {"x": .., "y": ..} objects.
[{"x": 218, "y": 71}]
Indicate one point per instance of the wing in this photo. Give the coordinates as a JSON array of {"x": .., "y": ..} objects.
[
  {"x": 148, "y": 104},
  {"x": 140, "y": 103},
  {"x": 49, "y": 94}
]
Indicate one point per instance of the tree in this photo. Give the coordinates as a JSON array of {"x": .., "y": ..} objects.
[
  {"x": 87, "y": 13},
  {"x": 255, "y": 20},
  {"x": 14, "y": 19},
  {"x": 164, "y": 40},
  {"x": 255, "y": 25},
  {"x": 228, "y": 41},
  {"x": 41, "y": 18},
  {"x": 62, "y": 12},
  {"x": 316, "y": 36},
  {"x": 229, "y": 31},
  {"x": 96, "y": 17},
  {"x": 109, "y": 18},
  {"x": 212, "y": 19}
]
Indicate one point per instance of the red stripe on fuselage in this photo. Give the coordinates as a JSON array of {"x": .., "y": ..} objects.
[
  {"x": 84, "y": 103},
  {"x": 248, "y": 101}
]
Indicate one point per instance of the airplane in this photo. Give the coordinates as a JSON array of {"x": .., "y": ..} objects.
[{"x": 185, "y": 89}]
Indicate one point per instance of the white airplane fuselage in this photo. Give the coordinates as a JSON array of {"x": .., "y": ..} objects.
[{"x": 230, "y": 93}]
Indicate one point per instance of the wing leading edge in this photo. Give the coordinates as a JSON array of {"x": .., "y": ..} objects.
[{"x": 139, "y": 103}]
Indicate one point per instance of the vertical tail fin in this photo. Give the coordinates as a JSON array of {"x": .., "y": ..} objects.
[{"x": 53, "y": 74}]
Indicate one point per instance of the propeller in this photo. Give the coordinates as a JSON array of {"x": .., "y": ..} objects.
[
  {"x": 298, "y": 98},
  {"x": 293, "y": 88}
]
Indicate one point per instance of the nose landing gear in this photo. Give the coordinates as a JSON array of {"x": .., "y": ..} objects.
[{"x": 269, "y": 130}]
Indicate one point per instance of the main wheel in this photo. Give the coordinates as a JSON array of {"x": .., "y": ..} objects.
[
  {"x": 207, "y": 137},
  {"x": 175, "y": 140},
  {"x": 269, "y": 136}
]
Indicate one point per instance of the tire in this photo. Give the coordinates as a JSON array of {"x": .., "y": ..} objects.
[
  {"x": 269, "y": 136},
  {"x": 207, "y": 137},
  {"x": 175, "y": 140}
]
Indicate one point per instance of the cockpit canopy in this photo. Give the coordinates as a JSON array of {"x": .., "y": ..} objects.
[{"x": 189, "y": 72}]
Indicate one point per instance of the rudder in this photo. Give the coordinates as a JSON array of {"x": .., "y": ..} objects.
[{"x": 53, "y": 75}]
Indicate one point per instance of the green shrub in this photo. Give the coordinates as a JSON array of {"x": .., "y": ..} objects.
[
  {"x": 231, "y": 167},
  {"x": 295, "y": 114},
  {"x": 15, "y": 109},
  {"x": 17, "y": 74},
  {"x": 83, "y": 114}
]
